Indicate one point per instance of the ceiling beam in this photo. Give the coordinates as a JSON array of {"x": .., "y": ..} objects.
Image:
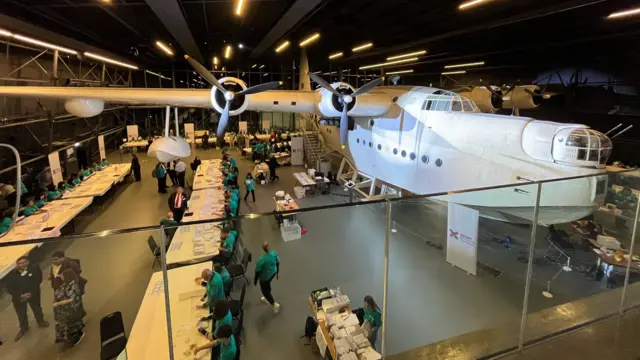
[
  {"x": 170, "y": 13},
  {"x": 295, "y": 13}
]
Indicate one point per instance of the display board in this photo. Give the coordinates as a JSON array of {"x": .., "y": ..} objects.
[
  {"x": 132, "y": 131},
  {"x": 190, "y": 132},
  {"x": 462, "y": 237},
  {"x": 242, "y": 127},
  {"x": 266, "y": 124},
  {"x": 103, "y": 153},
  {"x": 56, "y": 169},
  {"x": 297, "y": 151}
]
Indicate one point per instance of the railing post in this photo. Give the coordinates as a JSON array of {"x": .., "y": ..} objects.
[
  {"x": 165, "y": 282},
  {"x": 385, "y": 282},
  {"x": 527, "y": 286},
  {"x": 631, "y": 252}
]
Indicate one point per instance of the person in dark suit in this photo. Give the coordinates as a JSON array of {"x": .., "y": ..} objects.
[
  {"x": 135, "y": 167},
  {"x": 178, "y": 204},
  {"x": 23, "y": 283}
]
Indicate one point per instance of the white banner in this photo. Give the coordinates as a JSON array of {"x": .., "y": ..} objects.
[
  {"x": 297, "y": 151},
  {"x": 103, "y": 153},
  {"x": 242, "y": 127},
  {"x": 132, "y": 132},
  {"x": 190, "y": 132},
  {"x": 462, "y": 237},
  {"x": 56, "y": 170}
]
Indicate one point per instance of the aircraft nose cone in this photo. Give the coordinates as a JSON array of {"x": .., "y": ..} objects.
[
  {"x": 229, "y": 95},
  {"x": 347, "y": 99}
]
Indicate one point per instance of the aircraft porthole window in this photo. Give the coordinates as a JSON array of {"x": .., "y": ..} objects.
[
  {"x": 395, "y": 99},
  {"x": 412, "y": 156},
  {"x": 379, "y": 147},
  {"x": 395, "y": 151},
  {"x": 370, "y": 144},
  {"x": 425, "y": 159},
  {"x": 404, "y": 153},
  {"x": 438, "y": 162},
  {"x": 358, "y": 140}
]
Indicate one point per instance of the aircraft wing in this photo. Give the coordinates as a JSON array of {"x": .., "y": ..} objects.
[{"x": 200, "y": 98}]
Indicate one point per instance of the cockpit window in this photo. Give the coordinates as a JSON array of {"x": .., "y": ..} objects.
[
  {"x": 443, "y": 105},
  {"x": 467, "y": 106},
  {"x": 589, "y": 145},
  {"x": 456, "y": 105},
  {"x": 446, "y": 101}
]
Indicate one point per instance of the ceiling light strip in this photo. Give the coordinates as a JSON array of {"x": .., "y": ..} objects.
[
  {"x": 388, "y": 63},
  {"x": 110, "y": 61},
  {"x": 310, "y": 39},
  {"x": 282, "y": 46},
  {"x": 336, "y": 55},
  {"x": 227, "y": 52},
  {"x": 362, "y": 47},
  {"x": 164, "y": 47},
  {"x": 400, "y": 72},
  {"x": 469, "y": 4},
  {"x": 32, "y": 41},
  {"x": 239, "y": 7},
  {"x": 416, "y": 53},
  {"x": 479, "y": 63},
  {"x": 454, "y": 72},
  {"x": 624, "y": 13}
]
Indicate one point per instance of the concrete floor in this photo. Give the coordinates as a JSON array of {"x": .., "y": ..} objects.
[{"x": 428, "y": 301}]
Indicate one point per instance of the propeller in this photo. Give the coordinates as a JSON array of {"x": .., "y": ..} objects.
[
  {"x": 228, "y": 95},
  {"x": 345, "y": 99}
]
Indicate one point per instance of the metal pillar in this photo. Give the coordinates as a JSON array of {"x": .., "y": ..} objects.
[
  {"x": 54, "y": 76},
  {"x": 385, "y": 281},
  {"x": 628, "y": 271}
]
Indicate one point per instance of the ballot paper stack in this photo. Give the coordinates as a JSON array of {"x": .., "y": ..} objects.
[
  {"x": 335, "y": 304},
  {"x": 344, "y": 346}
]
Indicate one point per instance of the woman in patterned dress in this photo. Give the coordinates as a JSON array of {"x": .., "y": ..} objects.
[{"x": 67, "y": 309}]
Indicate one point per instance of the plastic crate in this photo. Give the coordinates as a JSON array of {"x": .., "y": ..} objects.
[
  {"x": 291, "y": 232},
  {"x": 299, "y": 191}
]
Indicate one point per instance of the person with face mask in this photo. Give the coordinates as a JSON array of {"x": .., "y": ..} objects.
[{"x": 23, "y": 283}]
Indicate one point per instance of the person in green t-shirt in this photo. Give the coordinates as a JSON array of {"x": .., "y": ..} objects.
[
  {"x": 41, "y": 201},
  {"x": 267, "y": 268},
  {"x": 221, "y": 316},
  {"x": 226, "y": 277},
  {"x": 373, "y": 316},
  {"x": 170, "y": 227},
  {"x": 7, "y": 220},
  {"x": 104, "y": 163},
  {"x": 228, "y": 239},
  {"x": 215, "y": 289},
  {"x": 30, "y": 208},
  {"x": 250, "y": 186},
  {"x": 225, "y": 341},
  {"x": 54, "y": 193}
]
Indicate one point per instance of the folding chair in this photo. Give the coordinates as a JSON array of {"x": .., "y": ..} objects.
[
  {"x": 236, "y": 306},
  {"x": 155, "y": 250},
  {"x": 239, "y": 270},
  {"x": 113, "y": 339}
]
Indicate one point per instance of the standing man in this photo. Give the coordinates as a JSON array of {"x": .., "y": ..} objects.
[
  {"x": 267, "y": 268},
  {"x": 181, "y": 171},
  {"x": 23, "y": 283},
  {"x": 178, "y": 204},
  {"x": 160, "y": 173},
  {"x": 135, "y": 167}
]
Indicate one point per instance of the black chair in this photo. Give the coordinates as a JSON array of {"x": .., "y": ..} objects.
[
  {"x": 239, "y": 270},
  {"x": 155, "y": 250},
  {"x": 236, "y": 306},
  {"x": 237, "y": 331},
  {"x": 113, "y": 339}
]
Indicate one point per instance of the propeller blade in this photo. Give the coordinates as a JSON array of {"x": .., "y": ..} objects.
[
  {"x": 224, "y": 119},
  {"x": 368, "y": 87},
  {"x": 530, "y": 92},
  {"x": 560, "y": 78},
  {"x": 508, "y": 91},
  {"x": 320, "y": 81},
  {"x": 204, "y": 73},
  {"x": 492, "y": 91},
  {"x": 344, "y": 124},
  {"x": 260, "y": 88}
]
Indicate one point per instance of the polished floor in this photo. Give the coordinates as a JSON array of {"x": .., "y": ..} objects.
[{"x": 429, "y": 300}]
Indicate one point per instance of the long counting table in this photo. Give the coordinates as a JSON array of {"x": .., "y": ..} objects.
[
  {"x": 194, "y": 243},
  {"x": 205, "y": 204},
  {"x": 99, "y": 182},
  {"x": 60, "y": 213},
  {"x": 149, "y": 335},
  {"x": 208, "y": 175}
]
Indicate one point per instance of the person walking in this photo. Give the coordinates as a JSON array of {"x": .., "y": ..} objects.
[
  {"x": 178, "y": 204},
  {"x": 273, "y": 164},
  {"x": 67, "y": 309},
  {"x": 267, "y": 268},
  {"x": 181, "y": 170},
  {"x": 160, "y": 173},
  {"x": 59, "y": 264},
  {"x": 23, "y": 283},
  {"x": 135, "y": 167}
]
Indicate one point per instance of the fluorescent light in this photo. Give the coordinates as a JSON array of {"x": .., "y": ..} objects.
[
  {"x": 388, "y": 63},
  {"x": 479, "y": 63},
  {"x": 5, "y": 33},
  {"x": 164, "y": 47},
  {"x": 227, "y": 52},
  {"x": 110, "y": 61},
  {"x": 469, "y": 4},
  {"x": 454, "y": 72},
  {"x": 158, "y": 75},
  {"x": 76, "y": 144},
  {"x": 407, "y": 55},
  {"x": 336, "y": 55},
  {"x": 261, "y": 66},
  {"x": 624, "y": 13},
  {"x": 318, "y": 72},
  {"x": 254, "y": 66},
  {"x": 39, "y": 43},
  {"x": 282, "y": 46},
  {"x": 239, "y": 7},
  {"x": 362, "y": 47},
  {"x": 399, "y": 72},
  {"x": 215, "y": 60},
  {"x": 310, "y": 39},
  {"x": 345, "y": 70},
  {"x": 182, "y": 81},
  {"x": 241, "y": 46},
  {"x": 265, "y": 74}
]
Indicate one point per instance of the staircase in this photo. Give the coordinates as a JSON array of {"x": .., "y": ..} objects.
[{"x": 314, "y": 150}]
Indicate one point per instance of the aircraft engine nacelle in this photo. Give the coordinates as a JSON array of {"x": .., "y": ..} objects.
[
  {"x": 330, "y": 105},
  {"x": 521, "y": 97},
  {"x": 484, "y": 99},
  {"x": 239, "y": 102},
  {"x": 84, "y": 107}
]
